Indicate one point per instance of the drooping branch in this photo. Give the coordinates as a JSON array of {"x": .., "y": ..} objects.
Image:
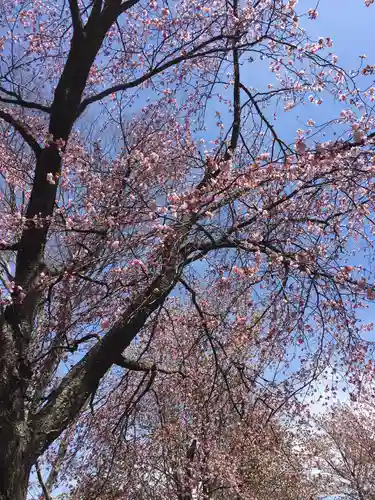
[
  {"x": 284, "y": 147},
  {"x": 17, "y": 100},
  {"x": 22, "y": 130},
  {"x": 43, "y": 485}
]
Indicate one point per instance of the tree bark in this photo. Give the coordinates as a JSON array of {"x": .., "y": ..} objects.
[
  {"x": 15, "y": 463},
  {"x": 14, "y": 470}
]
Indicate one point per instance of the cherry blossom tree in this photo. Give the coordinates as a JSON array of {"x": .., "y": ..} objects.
[
  {"x": 115, "y": 202},
  {"x": 200, "y": 430},
  {"x": 188, "y": 438},
  {"x": 342, "y": 445}
]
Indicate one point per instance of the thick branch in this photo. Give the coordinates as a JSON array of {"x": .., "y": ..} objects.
[
  {"x": 236, "y": 92},
  {"x": 64, "y": 112},
  {"x": 76, "y": 18},
  {"x": 52, "y": 477},
  {"x": 75, "y": 388},
  {"x": 66, "y": 401},
  {"x": 95, "y": 10}
]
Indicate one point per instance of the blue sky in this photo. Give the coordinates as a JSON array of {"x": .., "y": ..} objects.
[{"x": 350, "y": 25}]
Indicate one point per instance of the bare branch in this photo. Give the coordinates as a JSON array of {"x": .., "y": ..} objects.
[
  {"x": 284, "y": 148},
  {"x": 21, "y": 129},
  {"x": 156, "y": 71},
  {"x": 45, "y": 490},
  {"x": 63, "y": 447},
  {"x": 145, "y": 366},
  {"x": 17, "y": 100}
]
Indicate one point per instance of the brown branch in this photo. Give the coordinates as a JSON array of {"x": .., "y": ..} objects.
[
  {"x": 17, "y": 100},
  {"x": 45, "y": 490},
  {"x": 76, "y": 18},
  {"x": 63, "y": 447},
  {"x": 144, "y": 366},
  {"x": 21, "y": 129},
  {"x": 150, "y": 74}
]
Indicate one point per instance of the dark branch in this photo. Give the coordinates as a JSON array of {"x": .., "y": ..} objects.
[
  {"x": 236, "y": 95},
  {"x": 76, "y": 18},
  {"x": 144, "y": 366},
  {"x": 82, "y": 380},
  {"x": 45, "y": 490},
  {"x": 156, "y": 71},
  {"x": 21, "y": 129},
  {"x": 9, "y": 248},
  {"x": 282, "y": 144},
  {"x": 17, "y": 100}
]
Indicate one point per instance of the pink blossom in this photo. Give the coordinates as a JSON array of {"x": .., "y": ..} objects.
[{"x": 104, "y": 324}]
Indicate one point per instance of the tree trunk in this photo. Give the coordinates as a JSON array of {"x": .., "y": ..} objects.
[
  {"x": 15, "y": 467},
  {"x": 15, "y": 459}
]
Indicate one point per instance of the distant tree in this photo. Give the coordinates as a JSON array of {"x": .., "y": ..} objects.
[{"x": 344, "y": 449}]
